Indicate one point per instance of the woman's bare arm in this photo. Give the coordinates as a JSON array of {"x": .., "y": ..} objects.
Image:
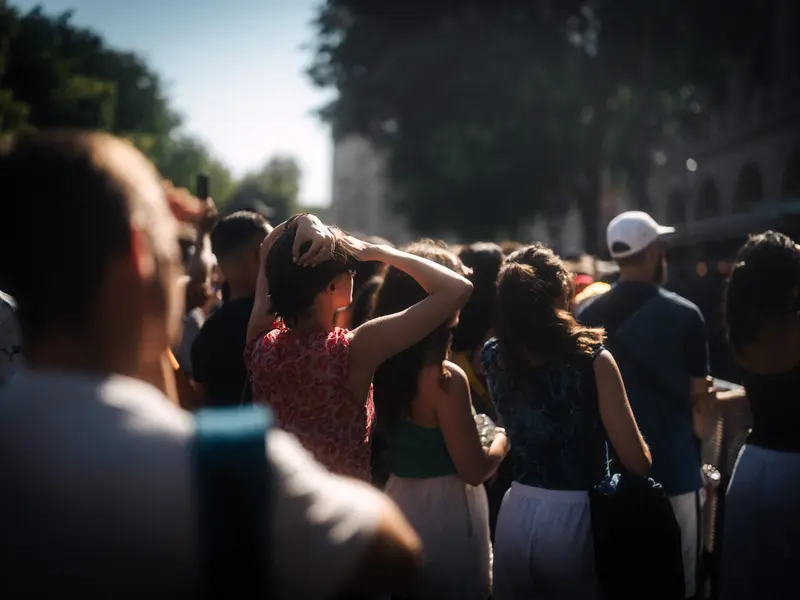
[
  {"x": 454, "y": 411},
  {"x": 617, "y": 416},
  {"x": 381, "y": 338}
]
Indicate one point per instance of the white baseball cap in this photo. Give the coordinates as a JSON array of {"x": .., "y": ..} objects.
[{"x": 633, "y": 231}]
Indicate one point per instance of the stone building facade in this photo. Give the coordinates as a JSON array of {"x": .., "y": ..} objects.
[
  {"x": 750, "y": 155},
  {"x": 360, "y": 191}
]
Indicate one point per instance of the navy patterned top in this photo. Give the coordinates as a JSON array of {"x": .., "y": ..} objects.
[{"x": 552, "y": 420}]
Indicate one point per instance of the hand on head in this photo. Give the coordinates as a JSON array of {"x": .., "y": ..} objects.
[
  {"x": 308, "y": 229},
  {"x": 323, "y": 241},
  {"x": 188, "y": 209}
]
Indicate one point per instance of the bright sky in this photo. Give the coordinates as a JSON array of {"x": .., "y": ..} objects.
[{"x": 234, "y": 69}]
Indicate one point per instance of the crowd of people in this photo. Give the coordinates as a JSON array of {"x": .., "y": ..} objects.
[{"x": 380, "y": 369}]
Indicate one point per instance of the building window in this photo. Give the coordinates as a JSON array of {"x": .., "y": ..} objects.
[
  {"x": 707, "y": 200},
  {"x": 749, "y": 189}
]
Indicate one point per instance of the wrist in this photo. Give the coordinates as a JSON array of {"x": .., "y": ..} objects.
[{"x": 374, "y": 252}]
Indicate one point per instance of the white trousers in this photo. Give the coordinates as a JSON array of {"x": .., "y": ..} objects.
[
  {"x": 687, "y": 509},
  {"x": 543, "y": 546},
  {"x": 452, "y": 520}
]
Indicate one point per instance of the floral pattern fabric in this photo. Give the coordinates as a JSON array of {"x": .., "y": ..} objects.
[
  {"x": 552, "y": 420},
  {"x": 302, "y": 377}
]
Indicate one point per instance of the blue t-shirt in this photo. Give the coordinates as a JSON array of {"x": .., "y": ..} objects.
[
  {"x": 552, "y": 420},
  {"x": 659, "y": 342}
]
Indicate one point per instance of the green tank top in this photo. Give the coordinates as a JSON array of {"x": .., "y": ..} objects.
[{"x": 418, "y": 452}]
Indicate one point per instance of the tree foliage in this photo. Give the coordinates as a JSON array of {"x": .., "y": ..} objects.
[
  {"x": 54, "y": 74},
  {"x": 275, "y": 186},
  {"x": 492, "y": 111}
]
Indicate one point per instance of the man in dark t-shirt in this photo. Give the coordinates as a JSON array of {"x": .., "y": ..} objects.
[
  {"x": 217, "y": 352},
  {"x": 659, "y": 341}
]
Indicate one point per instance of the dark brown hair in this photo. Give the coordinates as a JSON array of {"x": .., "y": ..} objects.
[
  {"x": 395, "y": 380},
  {"x": 533, "y": 323},
  {"x": 762, "y": 287},
  {"x": 292, "y": 289},
  {"x": 478, "y": 315}
]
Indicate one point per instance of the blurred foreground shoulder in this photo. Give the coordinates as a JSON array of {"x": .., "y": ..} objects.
[{"x": 353, "y": 538}]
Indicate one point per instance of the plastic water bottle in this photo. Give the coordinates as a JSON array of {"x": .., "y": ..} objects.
[{"x": 486, "y": 429}]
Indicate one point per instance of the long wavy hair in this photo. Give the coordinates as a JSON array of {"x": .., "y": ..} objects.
[
  {"x": 534, "y": 324},
  {"x": 395, "y": 381}
]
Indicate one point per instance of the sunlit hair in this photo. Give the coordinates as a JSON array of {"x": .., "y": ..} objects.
[
  {"x": 396, "y": 379},
  {"x": 533, "y": 323},
  {"x": 478, "y": 315},
  {"x": 292, "y": 288},
  {"x": 762, "y": 288},
  {"x": 509, "y": 247}
]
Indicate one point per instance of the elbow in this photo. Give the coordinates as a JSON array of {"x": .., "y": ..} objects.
[
  {"x": 476, "y": 476},
  {"x": 463, "y": 292}
]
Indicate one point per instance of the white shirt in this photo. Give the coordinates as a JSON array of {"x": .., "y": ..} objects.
[{"x": 96, "y": 497}]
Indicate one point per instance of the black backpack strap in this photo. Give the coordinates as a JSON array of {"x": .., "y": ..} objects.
[
  {"x": 631, "y": 359},
  {"x": 232, "y": 482}
]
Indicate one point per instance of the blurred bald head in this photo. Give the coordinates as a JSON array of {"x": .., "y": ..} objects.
[{"x": 90, "y": 237}]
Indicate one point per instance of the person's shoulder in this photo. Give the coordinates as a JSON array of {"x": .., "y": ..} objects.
[
  {"x": 457, "y": 375},
  {"x": 679, "y": 303},
  {"x": 591, "y": 310},
  {"x": 602, "y": 360}
]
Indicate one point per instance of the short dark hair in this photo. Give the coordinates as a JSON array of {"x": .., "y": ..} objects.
[
  {"x": 237, "y": 231},
  {"x": 761, "y": 287},
  {"x": 65, "y": 217},
  {"x": 292, "y": 288}
]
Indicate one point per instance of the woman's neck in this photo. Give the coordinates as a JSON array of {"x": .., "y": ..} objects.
[{"x": 316, "y": 320}]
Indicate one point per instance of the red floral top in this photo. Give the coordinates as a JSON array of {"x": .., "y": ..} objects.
[{"x": 302, "y": 376}]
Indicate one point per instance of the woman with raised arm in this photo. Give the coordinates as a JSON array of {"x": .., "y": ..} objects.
[
  {"x": 436, "y": 458},
  {"x": 560, "y": 396},
  {"x": 317, "y": 378}
]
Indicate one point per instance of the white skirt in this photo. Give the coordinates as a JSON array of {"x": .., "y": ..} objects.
[
  {"x": 761, "y": 535},
  {"x": 543, "y": 546},
  {"x": 452, "y": 520}
]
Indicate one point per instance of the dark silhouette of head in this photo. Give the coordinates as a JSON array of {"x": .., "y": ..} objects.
[
  {"x": 236, "y": 241},
  {"x": 478, "y": 315},
  {"x": 396, "y": 379},
  {"x": 761, "y": 301},
  {"x": 95, "y": 251},
  {"x": 534, "y": 324}
]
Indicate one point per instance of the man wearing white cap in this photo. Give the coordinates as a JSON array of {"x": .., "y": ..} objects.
[{"x": 659, "y": 341}]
